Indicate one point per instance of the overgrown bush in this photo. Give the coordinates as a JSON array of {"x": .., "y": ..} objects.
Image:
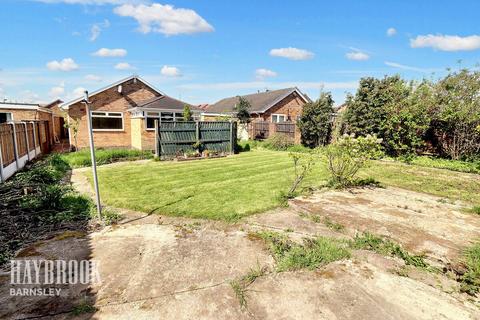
[
  {"x": 104, "y": 156},
  {"x": 315, "y": 123},
  {"x": 279, "y": 142},
  {"x": 348, "y": 155}
]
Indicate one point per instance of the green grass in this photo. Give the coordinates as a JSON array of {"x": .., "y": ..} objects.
[
  {"x": 312, "y": 254},
  {"x": 471, "y": 278},
  {"x": 368, "y": 241},
  {"x": 250, "y": 182},
  {"x": 82, "y": 158},
  {"x": 454, "y": 165}
]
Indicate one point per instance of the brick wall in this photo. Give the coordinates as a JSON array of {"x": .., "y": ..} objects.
[
  {"x": 291, "y": 106},
  {"x": 111, "y": 100}
]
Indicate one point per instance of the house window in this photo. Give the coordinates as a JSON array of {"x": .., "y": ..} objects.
[
  {"x": 107, "y": 121},
  {"x": 162, "y": 116},
  {"x": 276, "y": 118},
  {"x": 5, "y": 117}
]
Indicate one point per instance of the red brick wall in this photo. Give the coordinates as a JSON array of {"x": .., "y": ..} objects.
[
  {"x": 291, "y": 106},
  {"x": 110, "y": 100}
]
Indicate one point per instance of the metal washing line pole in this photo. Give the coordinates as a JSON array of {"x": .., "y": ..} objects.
[{"x": 87, "y": 103}]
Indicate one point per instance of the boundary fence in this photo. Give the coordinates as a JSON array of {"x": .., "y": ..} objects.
[
  {"x": 20, "y": 142},
  {"x": 179, "y": 137}
]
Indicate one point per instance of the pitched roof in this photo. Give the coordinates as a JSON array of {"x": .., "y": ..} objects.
[
  {"x": 68, "y": 104},
  {"x": 166, "y": 103},
  {"x": 260, "y": 102}
]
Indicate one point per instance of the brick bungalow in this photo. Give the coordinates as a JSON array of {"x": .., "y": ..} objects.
[
  {"x": 123, "y": 115},
  {"x": 269, "y": 110}
]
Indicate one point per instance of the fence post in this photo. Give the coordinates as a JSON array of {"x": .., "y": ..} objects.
[
  {"x": 15, "y": 145},
  {"x": 231, "y": 138},
  {"x": 157, "y": 139},
  {"x": 34, "y": 138},
  {"x": 1, "y": 163},
  {"x": 197, "y": 131},
  {"x": 26, "y": 140}
]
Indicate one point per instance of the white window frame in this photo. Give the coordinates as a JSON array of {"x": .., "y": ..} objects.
[
  {"x": 11, "y": 116},
  {"x": 158, "y": 115},
  {"x": 278, "y": 115},
  {"x": 108, "y": 115}
]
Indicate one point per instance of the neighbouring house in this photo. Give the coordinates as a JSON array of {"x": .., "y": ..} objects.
[
  {"x": 123, "y": 115},
  {"x": 60, "y": 132},
  {"x": 271, "y": 111},
  {"x": 15, "y": 111}
]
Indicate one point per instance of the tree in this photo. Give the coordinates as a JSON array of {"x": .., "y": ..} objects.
[
  {"x": 315, "y": 123},
  {"x": 187, "y": 113},
  {"x": 242, "y": 108},
  {"x": 456, "y": 118},
  {"x": 73, "y": 125}
]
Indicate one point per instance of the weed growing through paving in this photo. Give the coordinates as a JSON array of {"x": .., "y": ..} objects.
[
  {"x": 470, "y": 280},
  {"x": 311, "y": 254},
  {"x": 475, "y": 210},
  {"x": 240, "y": 286},
  {"x": 83, "y": 308},
  {"x": 368, "y": 241},
  {"x": 329, "y": 223}
]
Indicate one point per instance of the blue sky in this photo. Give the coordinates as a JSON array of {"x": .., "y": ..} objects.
[{"x": 201, "y": 51}]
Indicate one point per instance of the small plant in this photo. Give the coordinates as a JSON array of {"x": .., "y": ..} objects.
[
  {"x": 110, "y": 216},
  {"x": 240, "y": 286},
  {"x": 83, "y": 308},
  {"x": 475, "y": 210},
  {"x": 279, "y": 142},
  {"x": 313, "y": 253},
  {"x": 333, "y": 225},
  {"x": 198, "y": 146},
  {"x": 470, "y": 280},
  {"x": 348, "y": 155},
  {"x": 303, "y": 164},
  {"x": 73, "y": 125},
  {"x": 187, "y": 113},
  {"x": 368, "y": 241}
]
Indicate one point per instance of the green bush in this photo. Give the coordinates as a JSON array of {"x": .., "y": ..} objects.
[
  {"x": 46, "y": 171},
  {"x": 348, "y": 155},
  {"x": 279, "y": 142},
  {"x": 104, "y": 156}
]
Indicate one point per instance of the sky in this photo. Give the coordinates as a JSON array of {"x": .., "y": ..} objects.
[{"x": 202, "y": 51}]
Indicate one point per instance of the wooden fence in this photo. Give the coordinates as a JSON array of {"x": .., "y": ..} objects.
[
  {"x": 259, "y": 130},
  {"x": 19, "y": 143},
  {"x": 176, "y": 138}
]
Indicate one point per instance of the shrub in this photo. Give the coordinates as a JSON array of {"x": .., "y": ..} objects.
[
  {"x": 104, "y": 156},
  {"x": 279, "y": 142},
  {"x": 315, "y": 123},
  {"x": 302, "y": 163},
  {"x": 348, "y": 155}
]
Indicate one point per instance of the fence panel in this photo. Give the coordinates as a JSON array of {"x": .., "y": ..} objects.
[
  {"x": 177, "y": 138},
  {"x": 30, "y": 136},
  {"x": 21, "y": 139},
  {"x": 286, "y": 128},
  {"x": 6, "y": 143},
  {"x": 259, "y": 130},
  {"x": 17, "y": 135}
]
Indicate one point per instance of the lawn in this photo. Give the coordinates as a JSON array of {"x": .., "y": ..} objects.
[{"x": 237, "y": 186}]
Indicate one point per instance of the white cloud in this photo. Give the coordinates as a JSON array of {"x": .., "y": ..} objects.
[
  {"x": 123, "y": 66},
  {"x": 78, "y": 92},
  {"x": 168, "y": 71},
  {"x": 92, "y": 2},
  {"x": 391, "y": 32},
  {"x": 357, "y": 55},
  {"x": 97, "y": 29},
  {"x": 104, "y": 52},
  {"x": 446, "y": 42},
  {"x": 255, "y": 85},
  {"x": 405, "y": 67},
  {"x": 264, "y": 73},
  {"x": 56, "y": 92},
  {"x": 67, "y": 64},
  {"x": 292, "y": 53},
  {"x": 165, "y": 19},
  {"x": 93, "y": 78}
]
